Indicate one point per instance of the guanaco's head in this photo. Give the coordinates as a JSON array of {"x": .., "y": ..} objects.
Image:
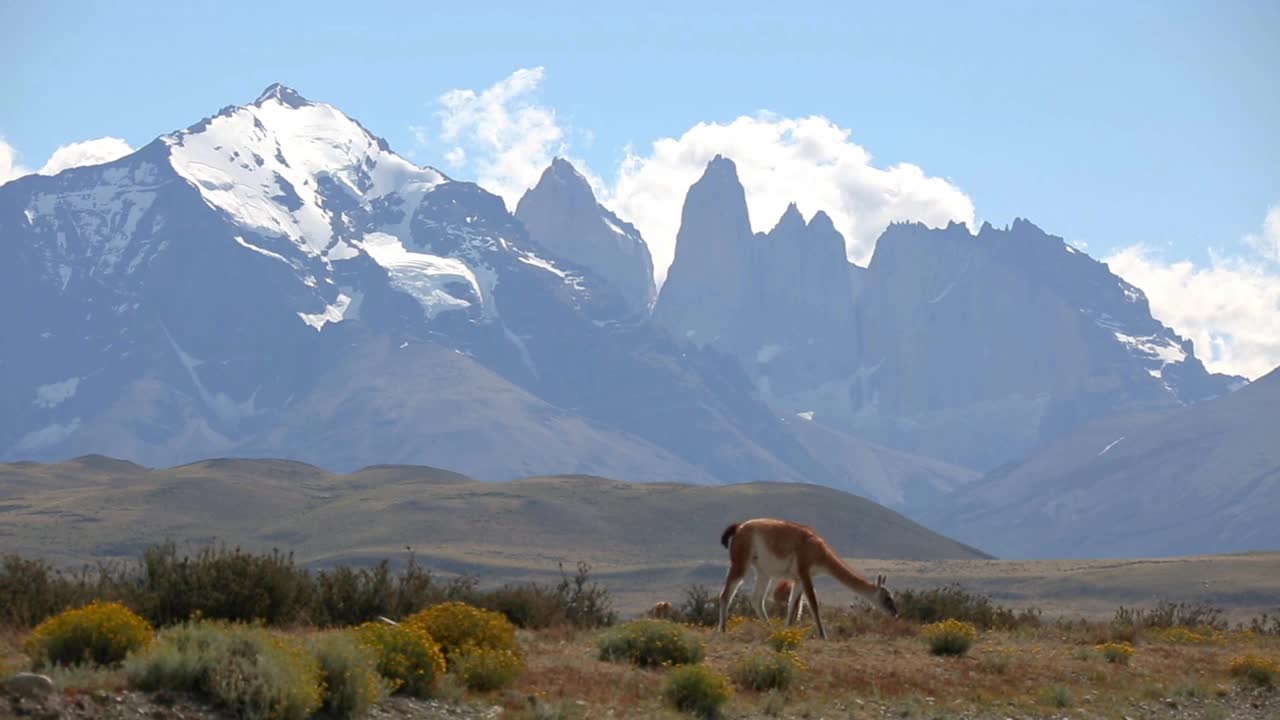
[{"x": 884, "y": 598}]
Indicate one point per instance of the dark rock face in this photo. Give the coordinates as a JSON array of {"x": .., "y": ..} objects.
[
  {"x": 973, "y": 349},
  {"x": 561, "y": 215}
]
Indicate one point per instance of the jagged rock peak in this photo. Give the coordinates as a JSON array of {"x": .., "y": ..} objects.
[
  {"x": 721, "y": 165},
  {"x": 563, "y": 171},
  {"x": 821, "y": 222},
  {"x": 284, "y": 94},
  {"x": 791, "y": 220}
]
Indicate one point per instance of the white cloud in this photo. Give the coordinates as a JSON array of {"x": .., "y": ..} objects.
[
  {"x": 1229, "y": 308},
  {"x": 9, "y": 167},
  {"x": 90, "y": 152},
  {"x": 810, "y": 161},
  {"x": 500, "y": 134},
  {"x": 1268, "y": 243}
]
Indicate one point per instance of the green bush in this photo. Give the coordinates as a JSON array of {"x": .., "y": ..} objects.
[
  {"x": 98, "y": 633},
  {"x": 651, "y": 643},
  {"x": 251, "y": 672},
  {"x": 698, "y": 690},
  {"x": 1192, "y": 616},
  {"x": 349, "y": 673},
  {"x": 953, "y": 602},
  {"x": 762, "y": 670},
  {"x": 485, "y": 669},
  {"x": 218, "y": 583},
  {"x": 408, "y": 657},
  {"x": 701, "y": 606}
]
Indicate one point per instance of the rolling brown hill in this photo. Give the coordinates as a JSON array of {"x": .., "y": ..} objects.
[{"x": 95, "y": 508}]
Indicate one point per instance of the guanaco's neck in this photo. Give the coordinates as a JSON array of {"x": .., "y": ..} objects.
[{"x": 846, "y": 575}]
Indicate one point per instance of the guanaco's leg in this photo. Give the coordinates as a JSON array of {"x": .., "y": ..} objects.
[
  {"x": 759, "y": 595},
  {"x": 794, "y": 608},
  {"x": 812, "y": 597}
]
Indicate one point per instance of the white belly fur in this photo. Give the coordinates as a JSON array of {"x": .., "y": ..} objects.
[{"x": 772, "y": 566}]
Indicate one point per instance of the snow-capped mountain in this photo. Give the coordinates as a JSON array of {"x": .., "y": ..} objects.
[
  {"x": 973, "y": 349},
  {"x": 562, "y": 215},
  {"x": 275, "y": 280}
]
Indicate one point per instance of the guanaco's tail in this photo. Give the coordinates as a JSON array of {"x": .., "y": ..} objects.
[{"x": 727, "y": 535}]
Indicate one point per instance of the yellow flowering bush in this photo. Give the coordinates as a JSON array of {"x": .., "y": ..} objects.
[
  {"x": 408, "y": 657},
  {"x": 102, "y": 633},
  {"x": 1183, "y": 636},
  {"x": 1256, "y": 669},
  {"x": 698, "y": 690},
  {"x": 1116, "y": 652},
  {"x": 457, "y": 625},
  {"x": 651, "y": 643},
  {"x": 787, "y": 638},
  {"x": 485, "y": 669},
  {"x": 949, "y": 637}
]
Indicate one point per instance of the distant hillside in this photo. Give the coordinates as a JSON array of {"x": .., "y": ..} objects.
[
  {"x": 1199, "y": 479},
  {"x": 100, "y": 508}
]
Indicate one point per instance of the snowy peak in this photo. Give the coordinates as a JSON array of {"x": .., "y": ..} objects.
[
  {"x": 561, "y": 214},
  {"x": 284, "y": 167},
  {"x": 282, "y": 94}
]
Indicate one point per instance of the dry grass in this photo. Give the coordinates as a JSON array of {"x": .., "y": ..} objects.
[{"x": 878, "y": 667}]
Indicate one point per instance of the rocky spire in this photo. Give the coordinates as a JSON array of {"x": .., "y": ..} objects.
[{"x": 562, "y": 215}]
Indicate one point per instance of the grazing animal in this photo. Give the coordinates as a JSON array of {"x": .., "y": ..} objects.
[
  {"x": 661, "y": 610},
  {"x": 782, "y": 596},
  {"x": 783, "y": 549}
]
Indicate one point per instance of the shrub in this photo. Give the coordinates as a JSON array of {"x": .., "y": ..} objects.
[
  {"x": 98, "y": 633},
  {"x": 1194, "y": 616},
  {"x": 651, "y": 643},
  {"x": 1116, "y": 652},
  {"x": 249, "y": 671},
  {"x": 1256, "y": 669},
  {"x": 456, "y": 625},
  {"x": 1265, "y": 624},
  {"x": 953, "y": 602},
  {"x": 576, "y": 601},
  {"x": 407, "y": 656},
  {"x": 949, "y": 637},
  {"x": 1059, "y": 696},
  {"x": 697, "y": 689},
  {"x": 345, "y": 596},
  {"x": 218, "y": 583},
  {"x": 485, "y": 669},
  {"x": 997, "y": 662},
  {"x": 701, "y": 606},
  {"x": 761, "y": 670},
  {"x": 349, "y": 673},
  {"x": 787, "y": 638}
]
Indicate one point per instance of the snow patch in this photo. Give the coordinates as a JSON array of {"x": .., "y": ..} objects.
[
  {"x": 806, "y": 415},
  {"x": 54, "y": 394},
  {"x": 538, "y": 262},
  {"x": 333, "y": 313},
  {"x": 428, "y": 278},
  {"x": 222, "y": 406},
  {"x": 522, "y": 349},
  {"x": 263, "y": 251},
  {"x": 945, "y": 291},
  {"x": 1108, "y": 447},
  {"x": 1153, "y": 347}
]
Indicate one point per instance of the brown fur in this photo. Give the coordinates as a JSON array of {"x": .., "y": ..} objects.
[
  {"x": 805, "y": 554},
  {"x": 661, "y": 610}
]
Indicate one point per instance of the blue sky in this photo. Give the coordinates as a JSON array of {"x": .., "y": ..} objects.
[{"x": 1115, "y": 125}]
